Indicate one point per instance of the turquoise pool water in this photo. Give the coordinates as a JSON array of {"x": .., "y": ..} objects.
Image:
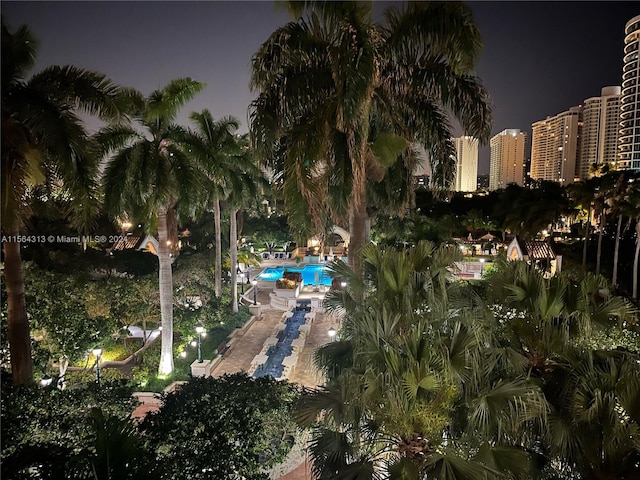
[{"x": 311, "y": 274}]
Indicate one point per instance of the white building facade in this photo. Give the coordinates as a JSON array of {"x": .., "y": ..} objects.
[
  {"x": 600, "y": 125},
  {"x": 507, "y": 158},
  {"x": 629, "y": 133},
  {"x": 555, "y": 145},
  {"x": 466, "y": 164}
]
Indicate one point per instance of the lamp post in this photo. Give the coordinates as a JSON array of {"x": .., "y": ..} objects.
[
  {"x": 46, "y": 381},
  {"x": 199, "y": 330},
  {"x": 343, "y": 284},
  {"x": 254, "y": 282},
  {"x": 332, "y": 333},
  {"x": 98, "y": 354}
]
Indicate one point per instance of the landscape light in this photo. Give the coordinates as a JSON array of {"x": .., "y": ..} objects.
[
  {"x": 46, "y": 381},
  {"x": 332, "y": 333},
  {"x": 255, "y": 290},
  {"x": 98, "y": 354},
  {"x": 199, "y": 331}
]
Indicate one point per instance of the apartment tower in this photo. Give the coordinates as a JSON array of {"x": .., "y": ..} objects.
[
  {"x": 600, "y": 125},
  {"x": 507, "y": 158},
  {"x": 629, "y": 134},
  {"x": 466, "y": 164},
  {"x": 555, "y": 147}
]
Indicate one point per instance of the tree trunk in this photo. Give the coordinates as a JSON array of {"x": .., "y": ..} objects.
[
  {"x": 603, "y": 220},
  {"x": 586, "y": 241},
  {"x": 165, "y": 282},
  {"x": 634, "y": 294},
  {"x": 616, "y": 250},
  {"x": 19, "y": 334},
  {"x": 357, "y": 231},
  {"x": 233, "y": 254},
  {"x": 218, "y": 265}
]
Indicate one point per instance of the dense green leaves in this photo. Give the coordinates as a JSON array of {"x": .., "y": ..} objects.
[
  {"x": 230, "y": 427},
  {"x": 52, "y": 431}
]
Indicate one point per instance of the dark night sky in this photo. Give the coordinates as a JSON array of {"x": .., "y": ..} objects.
[{"x": 539, "y": 59}]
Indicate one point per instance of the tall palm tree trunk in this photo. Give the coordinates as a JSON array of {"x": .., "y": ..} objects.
[
  {"x": 634, "y": 293},
  {"x": 616, "y": 252},
  {"x": 19, "y": 334},
  {"x": 357, "y": 232},
  {"x": 233, "y": 254},
  {"x": 358, "y": 211},
  {"x": 165, "y": 281},
  {"x": 586, "y": 240},
  {"x": 218, "y": 266},
  {"x": 599, "y": 253}
]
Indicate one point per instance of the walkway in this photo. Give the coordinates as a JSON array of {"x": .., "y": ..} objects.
[{"x": 239, "y": 357}]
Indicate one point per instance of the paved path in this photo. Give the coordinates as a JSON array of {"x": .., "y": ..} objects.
[{"x": 239, "y": 357}]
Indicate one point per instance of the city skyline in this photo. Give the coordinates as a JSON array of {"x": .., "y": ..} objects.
[{"x": 539, "y": 59}]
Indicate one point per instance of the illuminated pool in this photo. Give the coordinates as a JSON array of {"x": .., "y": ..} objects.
[{"x": 311, "y": 274}]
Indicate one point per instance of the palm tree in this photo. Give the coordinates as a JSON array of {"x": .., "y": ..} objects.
[
  {"x": 632, "y": 198},
  {"x": 212, "y": 143},
  {"x": 604, "y": 186},
  {"x": 583, "y": 195},
  {"x": 243, "y": 183},
  {"x": 548, "y": 324},
  {"x": 146, "y": 173},
  {"x": 44, "y": 146},
  {"x": 619, "y": 208},
  {"x": 340, "y": 97},
  {"x": 594, "y": 425},
  {"x": 407, "y": 371}
]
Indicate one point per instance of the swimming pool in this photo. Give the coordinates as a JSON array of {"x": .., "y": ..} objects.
[{"x": 311, "y": 274}]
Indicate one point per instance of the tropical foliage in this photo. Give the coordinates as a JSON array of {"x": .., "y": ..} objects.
[
  {"x": 410, "y": 393},
  {"x": 53, "y": 434},
  {"x": 147, "y": 171},
  {"x": 435, "y": 379},
  {"x": 46, "y": 152},
  {"x": 225, "y": 427},
  {"x": 341, "y": 98}
]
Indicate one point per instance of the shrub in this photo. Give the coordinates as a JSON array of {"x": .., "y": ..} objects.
[{"x": 285, "y": 283}]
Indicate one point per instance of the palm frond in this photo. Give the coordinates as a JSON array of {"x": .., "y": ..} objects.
[{"x": 163, "y": 105}]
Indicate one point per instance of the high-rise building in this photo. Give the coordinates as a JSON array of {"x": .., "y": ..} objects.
[
  {"x": 599, "y": 139},
  {"x": 555, "y": 147},
  {"x": 507, "y": 158},
  {"x": 466, "y": 164},
  {"x": 629, "y": 134}
]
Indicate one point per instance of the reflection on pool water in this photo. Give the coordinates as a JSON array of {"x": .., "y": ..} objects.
[{"x": 311, "y": 274}]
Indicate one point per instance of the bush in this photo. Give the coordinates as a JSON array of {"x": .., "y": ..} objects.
[
  {"x": 232, "y": 422},
  {"x": 292, "y": 276},
  {"x": 285, "y": 283}
]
